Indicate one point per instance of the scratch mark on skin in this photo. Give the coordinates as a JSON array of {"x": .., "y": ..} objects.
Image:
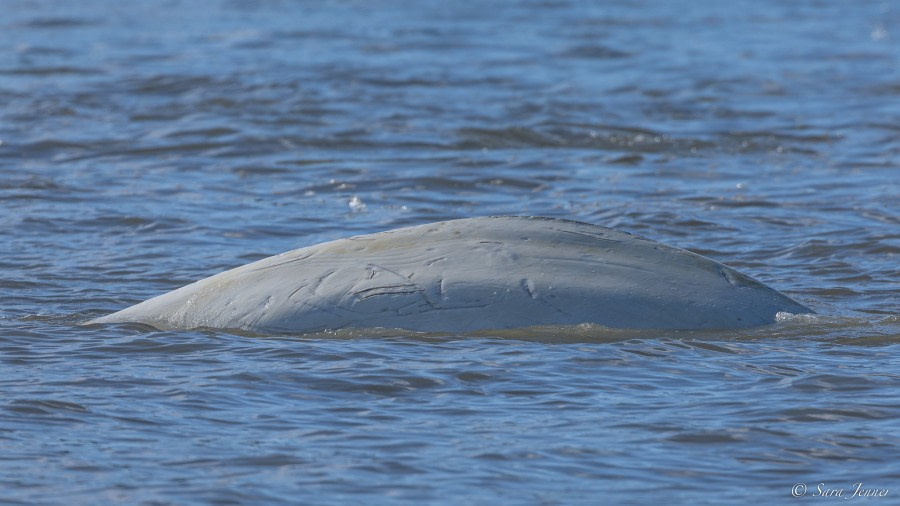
[
  {"x": 429, "y": 262},
  {"x": 737, "y": 279},
  {"x": 428, "y": 302},
  {"x": 548, "y": 300},
  {"x": 560, "y": 311},
  {"x": 528, "y": 286},
  {"x": 387, "y": 290},
  {"x": 299, "y": 259},
  {"x": 726, "y": 276},
  {"x": 343, "y": 317},
  {"x": 597, "y": 261},
  {"x": 404, "y": 310},
  {"x": 320, "y": 281},
  {"x": 412, "y": 285},
  {"x": 464, "y": 307},
  {"x": 262, "y": 313},
  {"x": 301, "y": 287},
  {"x": 585, "y": 234},
  {"x": 401, "y": 276}
]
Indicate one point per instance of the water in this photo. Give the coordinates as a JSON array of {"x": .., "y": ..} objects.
[{"x": 147, "y": 145}]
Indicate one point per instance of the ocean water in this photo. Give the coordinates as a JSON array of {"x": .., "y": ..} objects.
[{"x": 146, "y": 145}]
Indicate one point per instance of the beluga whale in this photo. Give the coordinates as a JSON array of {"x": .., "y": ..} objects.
[{"x": 467, "y": 275}]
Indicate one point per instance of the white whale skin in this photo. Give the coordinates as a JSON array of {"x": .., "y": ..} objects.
[{"x": 469, "y": 275}]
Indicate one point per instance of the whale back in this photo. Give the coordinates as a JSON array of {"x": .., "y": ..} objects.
[{"x": 471, "y": 274}]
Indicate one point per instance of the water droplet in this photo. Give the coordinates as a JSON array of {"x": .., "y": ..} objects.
[{"x": 356, "y": 204}]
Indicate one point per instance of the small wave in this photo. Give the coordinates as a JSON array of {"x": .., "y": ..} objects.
[
  {"x": 783, "y": 317},
  {"x": 59, "y": 22},
  {"x": 46, "y": 71}
]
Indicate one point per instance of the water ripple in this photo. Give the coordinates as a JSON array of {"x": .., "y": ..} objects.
[{"x": 146, "y": 148}]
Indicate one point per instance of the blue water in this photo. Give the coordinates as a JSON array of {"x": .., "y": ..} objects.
[{"x": 146, "y": 145}]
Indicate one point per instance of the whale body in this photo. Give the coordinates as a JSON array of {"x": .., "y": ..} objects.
[{"x": 469, "y": 275}]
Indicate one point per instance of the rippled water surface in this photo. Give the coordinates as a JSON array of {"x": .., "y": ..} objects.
[{"x": 149, "y": 144}]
